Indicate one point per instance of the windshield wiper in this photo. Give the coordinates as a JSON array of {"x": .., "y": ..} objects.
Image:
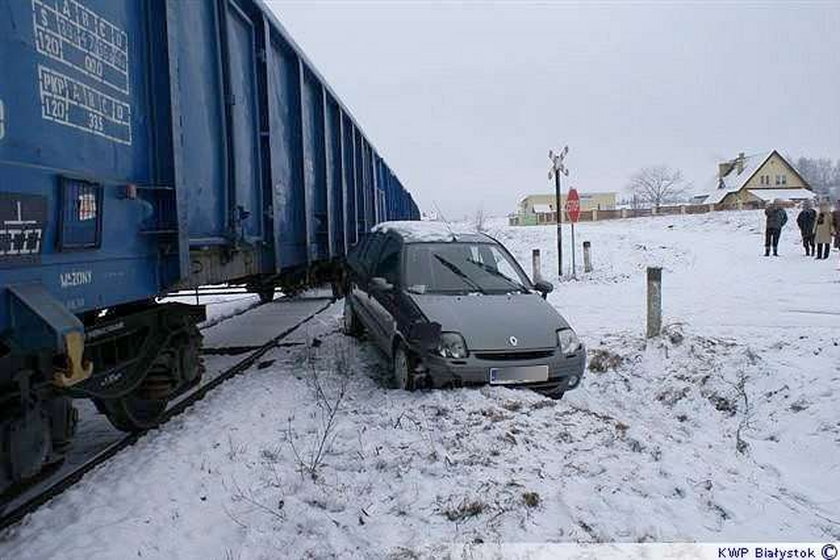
[
  {"x": 460, "y": 273},
  {"x": 494, "y": 272}
]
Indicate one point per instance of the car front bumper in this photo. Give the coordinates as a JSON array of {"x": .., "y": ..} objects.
[{"x": 564, "y": 372}]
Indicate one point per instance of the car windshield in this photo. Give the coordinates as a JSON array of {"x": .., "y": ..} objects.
[{"x": 461, "y": 268}]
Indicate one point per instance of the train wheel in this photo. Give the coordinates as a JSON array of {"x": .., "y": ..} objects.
[
  {"x": 144, "y": 407},
  {"x": 134, "y": 414},
  {"x": 176, "y": 368},
  {"x": 35, "y": 433},
  {"x": 266, "y": 294}
]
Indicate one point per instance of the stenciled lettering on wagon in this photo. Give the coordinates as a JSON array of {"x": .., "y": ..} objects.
[
  {"x": 69, "y": 102},
  {"x": 71, "y": 33},
  {"x": 22, "y": 221},
  {"x": 75, "y": 278}
]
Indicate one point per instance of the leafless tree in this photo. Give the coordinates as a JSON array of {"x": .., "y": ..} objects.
[
  {"x": 479, "y": 220},
  {"x": 310, "y": 462},
  {"x": 657, "y": 184},
  {"x": 821, "y": 173}
]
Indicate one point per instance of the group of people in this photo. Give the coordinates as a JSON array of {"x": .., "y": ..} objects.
[{"x": 819, "y": 228}]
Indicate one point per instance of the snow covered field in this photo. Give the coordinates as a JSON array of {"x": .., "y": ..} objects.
[{"x": 725, "y": 429}]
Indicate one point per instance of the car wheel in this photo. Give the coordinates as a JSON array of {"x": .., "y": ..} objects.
[
  {"x": 352, "y": 326},
  {"x": 402, "y": 370}
]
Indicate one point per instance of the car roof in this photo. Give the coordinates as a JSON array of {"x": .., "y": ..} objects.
[{"x": 430, "y": 232}]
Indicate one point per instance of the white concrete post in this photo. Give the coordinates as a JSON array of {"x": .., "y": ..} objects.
[
  {"x": 587, "y": 257},
  {"x": 711, "y": 207},
  {"x": 682, "y": 208},
  {"x": 654, "y": 301},
  {"x": 594, "y": 215},
  {"x": 536, "y": 273},
  {"x": 624, "y": 212}
]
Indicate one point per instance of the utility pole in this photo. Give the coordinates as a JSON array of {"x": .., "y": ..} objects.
[{"x": 557, "y": 169}]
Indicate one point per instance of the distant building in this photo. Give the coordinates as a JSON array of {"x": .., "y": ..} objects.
[
  {"x": 756, "y": 178},
  {"x": 539, "y": 208}
]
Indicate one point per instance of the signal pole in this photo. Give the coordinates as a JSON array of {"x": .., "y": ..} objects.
[{"x": 557, "y": 168}]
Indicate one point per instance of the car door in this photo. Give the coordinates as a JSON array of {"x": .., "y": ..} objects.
[
  {"x": 361, "y": 287},
  {"x": 356, "y": 275},
  {"x": 383, "y": 303}
]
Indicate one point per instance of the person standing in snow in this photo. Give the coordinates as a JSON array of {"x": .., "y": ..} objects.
[
  {"x": 823, "y": 231},
  {"x": 776, "y": 219},
  {"x": 836, "y": 221},
  {"x": 805, "y": 221}
]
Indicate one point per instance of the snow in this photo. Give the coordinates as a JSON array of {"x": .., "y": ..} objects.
[
  {"x": 782, "y": 194},
  {"x": 724, "y": 429},
  {"x": 425, "y": 231},
  {"x": 260, "y": 325}
]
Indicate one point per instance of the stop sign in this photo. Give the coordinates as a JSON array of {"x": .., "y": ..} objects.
[{"x": 573, "y": 205}]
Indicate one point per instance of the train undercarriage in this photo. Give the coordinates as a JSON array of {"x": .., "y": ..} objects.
[{"x": 136, "y": 359}]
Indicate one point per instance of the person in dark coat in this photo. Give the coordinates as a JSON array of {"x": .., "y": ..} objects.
[
  {"x": 776, "y": 220},
  {"x": 805, "y": 220},
  {"x": 836, "y": 219}
]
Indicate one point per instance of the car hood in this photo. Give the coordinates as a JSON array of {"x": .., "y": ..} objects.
[{"x": 487, "y": 322}]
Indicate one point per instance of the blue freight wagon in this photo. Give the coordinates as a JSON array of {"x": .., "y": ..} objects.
[{"x": 148, "y": 146}]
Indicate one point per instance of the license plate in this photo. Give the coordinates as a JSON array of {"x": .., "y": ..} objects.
[{"x": 522, "y": 374}]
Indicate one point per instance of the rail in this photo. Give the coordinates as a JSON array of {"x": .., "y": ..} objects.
[{"x": 15, "y": 507}]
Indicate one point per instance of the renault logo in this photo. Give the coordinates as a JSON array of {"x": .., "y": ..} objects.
[{"x": 513, "y": 341}]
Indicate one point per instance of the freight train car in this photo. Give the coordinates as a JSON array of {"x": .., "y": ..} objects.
[{"x": 147, "y": 146}]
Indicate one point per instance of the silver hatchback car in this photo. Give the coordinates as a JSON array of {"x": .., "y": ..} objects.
[{"x": 455, "y": 309}]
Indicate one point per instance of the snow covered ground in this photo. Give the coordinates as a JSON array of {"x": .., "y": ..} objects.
[{"x": 725, "y": 429}]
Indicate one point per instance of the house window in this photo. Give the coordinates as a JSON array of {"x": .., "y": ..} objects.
[{"x": 784, "y": 179}]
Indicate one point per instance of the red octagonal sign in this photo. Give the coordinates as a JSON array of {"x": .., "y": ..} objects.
[{"x": 573, "y": 205}]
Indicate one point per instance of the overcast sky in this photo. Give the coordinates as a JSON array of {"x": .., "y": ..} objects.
[{"x": 464, "y": 100}]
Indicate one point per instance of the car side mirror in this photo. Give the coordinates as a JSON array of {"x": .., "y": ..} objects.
[
  {"x": 543, "y": 287},
  {"x": 379, "y": 284}
]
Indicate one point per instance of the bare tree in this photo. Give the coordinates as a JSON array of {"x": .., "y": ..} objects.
[
  {"x": 479, "y": 220},
  {"x": 310, "y": 462},
  {"x": 657, "y": 184},
  {"x": 821, "y": 173}
]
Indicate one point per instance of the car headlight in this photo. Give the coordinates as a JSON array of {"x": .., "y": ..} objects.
[
  {"x": 568, "y": 341},
  {"x": 452, "y": 345}
]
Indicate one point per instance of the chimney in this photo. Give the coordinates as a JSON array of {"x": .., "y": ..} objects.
[
  {"x": 740, "y": 161},
  {"x": 724, "y": 168}
]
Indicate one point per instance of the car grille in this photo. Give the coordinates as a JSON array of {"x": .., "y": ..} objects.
[{"x": 514, "y": 356}]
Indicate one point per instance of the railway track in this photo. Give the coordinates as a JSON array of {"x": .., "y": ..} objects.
[{"x": 15, "y": 507}]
